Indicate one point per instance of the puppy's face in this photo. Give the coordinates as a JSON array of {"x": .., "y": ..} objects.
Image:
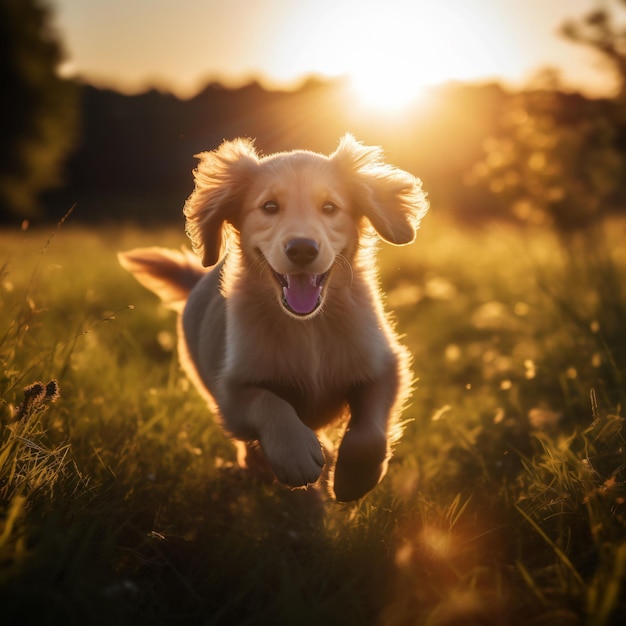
[
  {"x": 298, "y": 214},
  {"x": 298, "y": 223}
]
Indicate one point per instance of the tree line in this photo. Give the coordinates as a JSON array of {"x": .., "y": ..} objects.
[{"x": 482, "y": 151}]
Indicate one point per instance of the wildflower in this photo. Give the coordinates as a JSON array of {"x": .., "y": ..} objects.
[
  {"x": 52, "y": 391},
  {"x": 35, "y": 395}
]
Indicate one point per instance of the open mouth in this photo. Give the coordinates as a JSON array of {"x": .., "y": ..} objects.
[{"x": 301, "y": 293}]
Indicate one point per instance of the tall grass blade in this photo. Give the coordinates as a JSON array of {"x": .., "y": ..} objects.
[{"x": 561, "y": 555}]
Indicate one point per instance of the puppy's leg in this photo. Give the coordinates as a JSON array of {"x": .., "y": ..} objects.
[
  {"x": 292, "y": 450},
  {"x": 364, "y": 451},
  {"x": 251, "y": 457}
]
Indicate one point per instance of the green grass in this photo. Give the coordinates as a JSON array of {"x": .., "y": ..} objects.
[{"x": 505, "y": 502}]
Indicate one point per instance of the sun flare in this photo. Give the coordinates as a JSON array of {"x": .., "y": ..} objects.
[
  {"x": 390, "y": 53},
  {"x": 412, "y": 53},
  {"x": 388, "y": 92}
]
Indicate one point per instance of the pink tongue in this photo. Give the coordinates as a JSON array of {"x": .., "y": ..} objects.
[{"x": 302, "y": 292}]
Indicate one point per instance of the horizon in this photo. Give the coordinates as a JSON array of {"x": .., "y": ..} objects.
[{"x": 389, "y": 62}]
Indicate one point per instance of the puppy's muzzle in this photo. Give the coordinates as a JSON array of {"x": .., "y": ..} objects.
[
  {"x": 301, "y": 252},
  {"x": 301, "y": 291}
]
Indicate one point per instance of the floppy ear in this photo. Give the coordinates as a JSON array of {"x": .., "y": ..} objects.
[
  {"x": 390, "y": 198},
  {"x": 222, "y": 179}
]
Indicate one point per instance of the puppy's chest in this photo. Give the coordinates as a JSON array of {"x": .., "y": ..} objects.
[{"x": 311, "y": 359}]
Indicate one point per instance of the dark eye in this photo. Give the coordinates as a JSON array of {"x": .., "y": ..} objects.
[
  {"x": 329, "y": 208},
  {"x": 270, "y": 207}
]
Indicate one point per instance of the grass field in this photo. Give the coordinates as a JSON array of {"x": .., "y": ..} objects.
[{"x": 505, "y": 502}]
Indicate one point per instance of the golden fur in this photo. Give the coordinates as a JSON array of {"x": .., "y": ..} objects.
[{"x": 286, "y": 334}]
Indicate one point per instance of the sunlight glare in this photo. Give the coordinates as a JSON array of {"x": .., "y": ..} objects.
[
  {"x": 385, "y": 90},
  {"x": 431, "y": 46},
  {"x": 391, "y": 54},
  {"x": 437, "y": 541}
]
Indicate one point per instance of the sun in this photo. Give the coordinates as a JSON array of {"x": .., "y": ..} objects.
[
  {"x": 413, "y": 52},
  {"x": 390, "y": 52},
  {"x": 391, "y": 91},
  {"x": 386, "y": 91}
]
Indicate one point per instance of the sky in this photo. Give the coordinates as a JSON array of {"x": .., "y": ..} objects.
[{"x": 388, "y": 49}]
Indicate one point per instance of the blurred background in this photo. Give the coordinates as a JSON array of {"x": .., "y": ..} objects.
[{"x": 507, "y": 110}]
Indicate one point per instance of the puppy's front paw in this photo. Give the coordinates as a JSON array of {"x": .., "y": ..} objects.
[
  {"x": 361, "y": 463},
  {"x": 294, "y": 453}
]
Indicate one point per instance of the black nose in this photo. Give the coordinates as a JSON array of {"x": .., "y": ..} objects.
[{"x": 302, "y": 251}]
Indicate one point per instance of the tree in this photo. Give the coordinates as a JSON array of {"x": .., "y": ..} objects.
[
  {"x": 555, "y": 161},
  {"x": 39, "y": 108},
  {"x": 600, "y": 30}
]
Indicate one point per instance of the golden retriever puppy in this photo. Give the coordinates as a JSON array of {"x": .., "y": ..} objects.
[{"x": 286, "y": 333}]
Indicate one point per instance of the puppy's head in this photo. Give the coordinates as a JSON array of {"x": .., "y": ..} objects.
[{"x": 300, "y": 213}]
